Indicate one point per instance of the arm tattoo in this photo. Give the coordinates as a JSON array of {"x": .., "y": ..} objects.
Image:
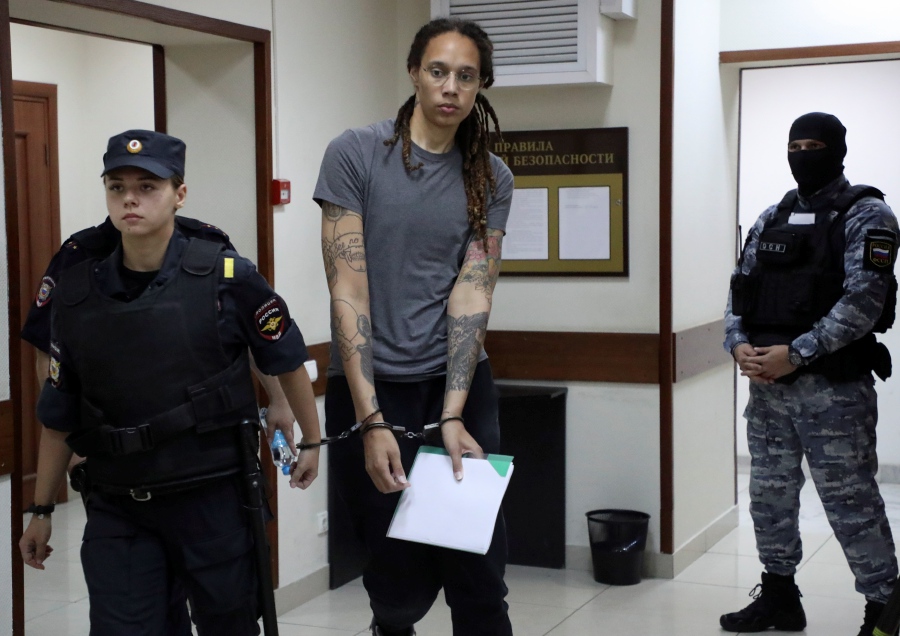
[
  {"x": 341, "y": 240},
  {"x": 333, "y": 212},
  {"x": 465, "y": 336},
  {"x": 365, "y": 349},
  {"x": 330, "y": 266},
  {"x": 481, "y": 266},
  {"x": 353, "y": 335}
]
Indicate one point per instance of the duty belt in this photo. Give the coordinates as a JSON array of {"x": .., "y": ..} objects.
[{"x": 147, "y": 492}]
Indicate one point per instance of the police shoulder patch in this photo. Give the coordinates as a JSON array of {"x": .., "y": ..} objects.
[
  {"x": 880, "y": 250},
  {"x": 269, "y": 319},
  {"x": 44, "y": 291}
]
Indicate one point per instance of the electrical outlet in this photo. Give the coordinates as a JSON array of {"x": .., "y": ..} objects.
[{"x": 322, "y": 523}]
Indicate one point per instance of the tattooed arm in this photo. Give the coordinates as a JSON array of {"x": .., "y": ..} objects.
[
  {"x": 467, "y": 317},
  {"x": 344, "y": 254}
]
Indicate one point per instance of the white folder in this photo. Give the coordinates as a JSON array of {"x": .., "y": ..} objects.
[{"x": 438, "y": 510}]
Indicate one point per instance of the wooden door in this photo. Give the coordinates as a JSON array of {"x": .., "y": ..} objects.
[{"x": 37, "y": 175}]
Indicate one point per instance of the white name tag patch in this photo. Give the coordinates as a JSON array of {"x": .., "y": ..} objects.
[{"x": 802, "y": 218}]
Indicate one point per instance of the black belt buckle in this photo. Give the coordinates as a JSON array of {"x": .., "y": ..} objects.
[{"x": 134, "y": 439}]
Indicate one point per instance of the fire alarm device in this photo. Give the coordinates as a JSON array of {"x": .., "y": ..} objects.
[{"x": 281, "y": 191}]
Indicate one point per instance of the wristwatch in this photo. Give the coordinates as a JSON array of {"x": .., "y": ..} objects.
[{"x": 795, "y": 358}]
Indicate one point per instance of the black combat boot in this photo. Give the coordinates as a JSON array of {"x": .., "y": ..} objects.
[
  {"x": 377, "y": 630},
  {"x": 873, "y": 613},
  {"x": 776, "y": 604}
]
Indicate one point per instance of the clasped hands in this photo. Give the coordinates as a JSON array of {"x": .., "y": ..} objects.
[{"x": 763, "y": 365}]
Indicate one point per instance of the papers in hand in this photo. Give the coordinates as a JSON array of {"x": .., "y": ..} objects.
[{"x": 438, "y": 510}]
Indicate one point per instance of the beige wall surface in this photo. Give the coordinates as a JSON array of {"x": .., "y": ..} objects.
[
  {"x": 103, "y": 88},
  {"x": 210, "y": 107},
  {"x": 775, "y": 24}
]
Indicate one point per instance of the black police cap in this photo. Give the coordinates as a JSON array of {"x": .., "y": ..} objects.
[{"x": 155, "y": 152}]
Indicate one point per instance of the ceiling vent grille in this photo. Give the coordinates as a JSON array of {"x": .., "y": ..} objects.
[
  {"x": 526, "y": 31},
  {"x": 541, "y": 41}
]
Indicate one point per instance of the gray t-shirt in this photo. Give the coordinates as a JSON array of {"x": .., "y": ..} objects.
[{"x": 416, "y": 232}]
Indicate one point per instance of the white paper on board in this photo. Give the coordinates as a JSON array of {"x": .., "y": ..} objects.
[
  {"x": 584, "y": 223},
  {"x": 527, "y": 230}
]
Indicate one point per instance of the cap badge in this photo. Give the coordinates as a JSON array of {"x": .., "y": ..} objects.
[{"x": 134, "y": 146}]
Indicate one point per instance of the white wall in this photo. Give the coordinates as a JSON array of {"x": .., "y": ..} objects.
[
  {"x": 103, "y": 88},
  {"x": 770, "y": 100},
  {"x": 773, "y": 24},
  {"x": 703, "y": 211},
  {"x": 210, "y": 106}
]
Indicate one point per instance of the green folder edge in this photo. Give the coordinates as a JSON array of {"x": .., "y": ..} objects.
[{"x": 500, "y": 463}]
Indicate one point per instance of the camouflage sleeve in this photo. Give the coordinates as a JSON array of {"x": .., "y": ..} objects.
[
  {"x": 866, "y": 281},
  {"x": 734, "y": 329}
]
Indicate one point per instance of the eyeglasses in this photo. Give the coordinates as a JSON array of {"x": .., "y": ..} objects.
[{"x": 466, "y": 80}]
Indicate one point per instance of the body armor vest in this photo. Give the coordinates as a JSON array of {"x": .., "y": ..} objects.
[
  {"x": 159, "y": 396},
  {"x": 798, "y": 277}
]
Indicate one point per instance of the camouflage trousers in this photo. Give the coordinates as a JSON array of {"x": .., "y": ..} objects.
[{"x": 833, "y": 425}]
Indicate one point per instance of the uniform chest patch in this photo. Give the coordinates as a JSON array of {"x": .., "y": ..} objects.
[
  {"x": 270, "y": 319},
  {"x": 769, "y": 246},
  {"x": 43, "y": 294}
]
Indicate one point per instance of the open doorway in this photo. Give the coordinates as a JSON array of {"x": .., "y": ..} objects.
[
  {"x": 862, "y": 95},
  {"x": 198, "y": 61}
]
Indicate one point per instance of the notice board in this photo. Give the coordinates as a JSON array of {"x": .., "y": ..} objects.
[{"x": 570, "y": 206}]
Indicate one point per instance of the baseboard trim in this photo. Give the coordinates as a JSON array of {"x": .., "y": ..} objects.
[
  {"x": 295, "y": 594},
  {"x": 665, "y": 566}
]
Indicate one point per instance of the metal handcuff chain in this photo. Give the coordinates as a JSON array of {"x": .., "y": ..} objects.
[{"x": 399, "y": 431}]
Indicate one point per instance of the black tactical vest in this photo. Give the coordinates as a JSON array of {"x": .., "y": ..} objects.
[
  {"x": 159, "y": 397},
  {"x": 799, "y": 277}
]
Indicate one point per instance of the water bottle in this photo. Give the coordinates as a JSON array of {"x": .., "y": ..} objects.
[{"x": 282, "y": 453}]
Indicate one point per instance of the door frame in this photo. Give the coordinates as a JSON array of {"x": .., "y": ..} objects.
[
  {"x": 47, "y": 93},
  {"x": 262, "y": 93}
]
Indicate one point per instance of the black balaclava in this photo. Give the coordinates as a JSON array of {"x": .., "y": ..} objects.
[{"x": 814, "y": 169}]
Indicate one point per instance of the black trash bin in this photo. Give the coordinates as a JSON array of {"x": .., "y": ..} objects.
[{"x": 618, "y": 538}]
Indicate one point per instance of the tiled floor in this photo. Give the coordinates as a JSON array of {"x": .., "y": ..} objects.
[{"x": 542, "y": 602}]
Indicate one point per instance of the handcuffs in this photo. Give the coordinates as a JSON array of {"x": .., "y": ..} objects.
[{"x": 431, "y": 434}]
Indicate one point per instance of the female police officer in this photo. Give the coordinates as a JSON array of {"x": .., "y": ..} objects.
[{"x": 149, "y": 376}]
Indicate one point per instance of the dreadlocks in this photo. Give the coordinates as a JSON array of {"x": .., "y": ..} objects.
[{"x": 473, "y": 135}]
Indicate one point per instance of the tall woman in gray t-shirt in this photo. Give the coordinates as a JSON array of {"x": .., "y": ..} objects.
[{"x": 414, "y": 212}]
